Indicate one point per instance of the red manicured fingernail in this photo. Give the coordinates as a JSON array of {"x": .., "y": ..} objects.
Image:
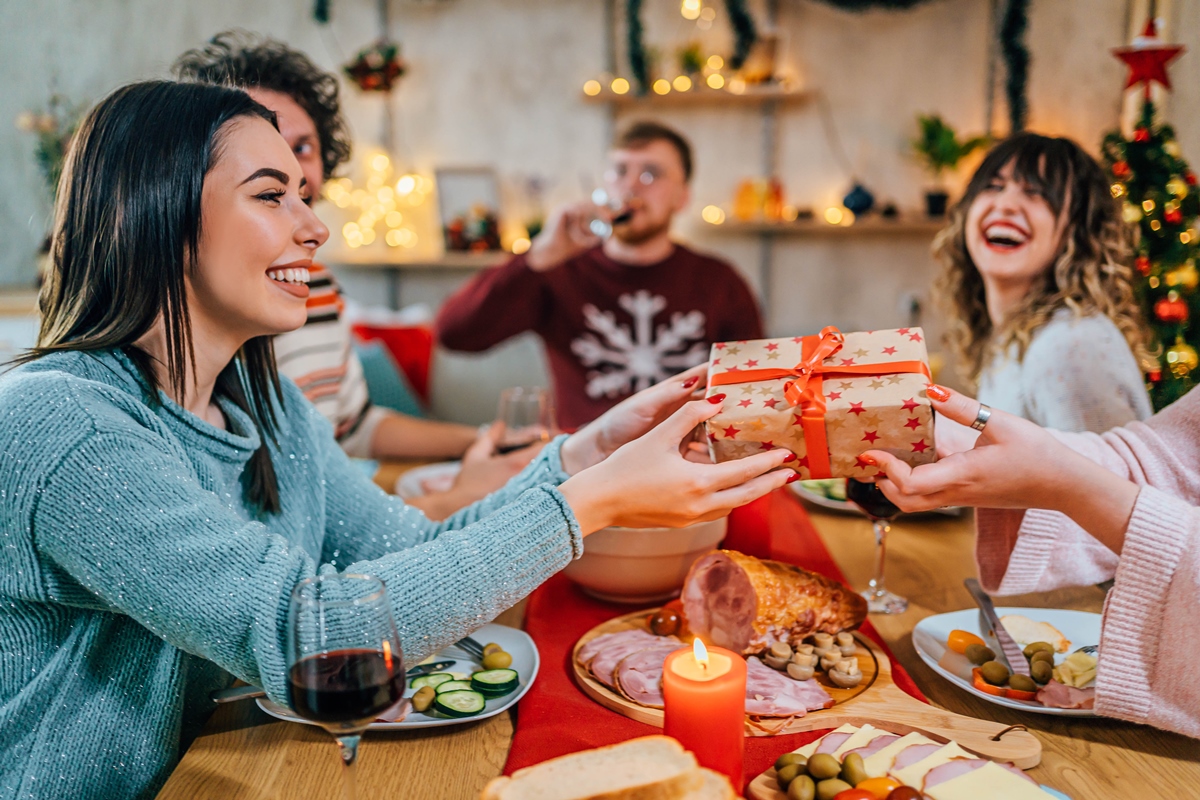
[
  {"x": 789, "y": 457},
  {"x": 939, "y": 393},
  {"x": 795, "y": 476},
  {"x": 868, "y": 460},
  {"x": 717, "y": 398},
  {"x": 690, "y": 382}
]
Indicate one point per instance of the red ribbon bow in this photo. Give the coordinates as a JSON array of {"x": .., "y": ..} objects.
[{"x": 806, "y": 390}]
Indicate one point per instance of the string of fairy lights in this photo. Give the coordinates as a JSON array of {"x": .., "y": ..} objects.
[{"x": 381, "y": 203}]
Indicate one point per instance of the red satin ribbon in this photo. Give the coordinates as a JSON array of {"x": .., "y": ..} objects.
[{"x": 806, "y": 391}]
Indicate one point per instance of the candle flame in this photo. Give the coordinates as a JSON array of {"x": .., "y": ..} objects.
[
  {"x": 701, "y": 653},
  {"x": 387, "y": 654}
]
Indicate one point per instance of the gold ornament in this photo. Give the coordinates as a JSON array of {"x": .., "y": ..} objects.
[
  {"x": 1182, "y": 358},
  {"x": 1131, "y": 213},
  {"x": 1171, "y": 148},
  {"x": 1185, "y": 277},
  {"x": 1178, "y": 187}
]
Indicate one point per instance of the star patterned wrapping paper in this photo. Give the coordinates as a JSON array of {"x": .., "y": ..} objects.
[{"x": 858, "y": 391}]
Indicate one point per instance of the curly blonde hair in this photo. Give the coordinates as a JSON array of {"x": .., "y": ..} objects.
[{"x": 1090, "y": 275}]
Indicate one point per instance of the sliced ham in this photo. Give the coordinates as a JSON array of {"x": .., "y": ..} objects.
[
  {"x": 592, "y": 648},
  {"x": 961, "y": 766},
  {"x": 746, "y": 604},
  {"x": 773, "y": 694},
  {"x": 831, "y": 742},
  {"x": 396, "y": 713},
  {"x": 639, "y": 676},
  {"x": 1059, "y": 695},
  {"x": 912, "y": 754},
  {"x": 604, "y": 665},
  {"x": 874, "y": 746}
]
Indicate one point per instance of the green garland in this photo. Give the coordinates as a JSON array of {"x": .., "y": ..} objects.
[
  {"x": 745, "y": 34},
  {"x": 1016, "y": 60},
  {"x": 744, "y": 30}
]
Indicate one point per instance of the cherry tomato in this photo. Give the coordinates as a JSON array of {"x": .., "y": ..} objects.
[
  {"x": 959, "y": 640},
  {"x": 879, "y": 788},
  {"x": 854, "y": 794},
  {"x": 904, "y": 793}
]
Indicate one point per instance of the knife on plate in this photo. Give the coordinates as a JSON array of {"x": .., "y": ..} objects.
[
  {"x": 246, "y": 692},
  {"x": 993, "y": 630}
]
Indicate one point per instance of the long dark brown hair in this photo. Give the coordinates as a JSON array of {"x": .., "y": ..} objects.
[
  {"x": 1091, "y": 274},
  {"x": 127, "y": 227}
]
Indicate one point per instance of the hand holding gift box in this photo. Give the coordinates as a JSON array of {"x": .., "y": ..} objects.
[{"x": 827, "y": 398}]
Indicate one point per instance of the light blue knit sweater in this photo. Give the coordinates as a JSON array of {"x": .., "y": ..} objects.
[{"x": 134, "y": 579}]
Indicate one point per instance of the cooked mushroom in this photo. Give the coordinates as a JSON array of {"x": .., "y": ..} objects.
[
  {"x": 846, "y": 674},
  {"x": 800, "y": 672}
]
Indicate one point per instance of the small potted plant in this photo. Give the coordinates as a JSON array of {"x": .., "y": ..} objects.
[{"x": 939, "y": 149}]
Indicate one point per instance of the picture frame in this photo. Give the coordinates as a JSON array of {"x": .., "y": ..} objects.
[{"x": 469, "y": 208}]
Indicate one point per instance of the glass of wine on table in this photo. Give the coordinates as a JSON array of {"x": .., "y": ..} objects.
[
  {"x": 527, "y": 417},
  {"x": 344, "y": 663},
  {"x": 881, "y": 512}
]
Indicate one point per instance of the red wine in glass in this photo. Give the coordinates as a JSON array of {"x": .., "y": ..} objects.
[
  {"x": 881, "y": 511},
  {"x": 350, "y": 687}
]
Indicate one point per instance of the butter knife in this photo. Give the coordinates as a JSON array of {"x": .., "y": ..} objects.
[
  {"x": 246, "y": 692},
  {"x": 1009, "y": 651}
]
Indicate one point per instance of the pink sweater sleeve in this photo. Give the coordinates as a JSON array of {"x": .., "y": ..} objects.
[{"x": 1157, "y": 578}]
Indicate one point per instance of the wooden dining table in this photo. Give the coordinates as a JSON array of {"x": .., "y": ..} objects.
[{"x": 244, "y": 753}]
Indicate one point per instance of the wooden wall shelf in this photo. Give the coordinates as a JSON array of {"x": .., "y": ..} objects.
[
  {"x": 447, "y": 261},
  {"x": 703, "y": 96},
  {"x": 869, "y": 226}
]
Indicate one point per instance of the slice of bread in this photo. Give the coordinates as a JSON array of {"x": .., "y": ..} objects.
[
  {"x": 1025, "y": 631},
  {"x": 648, "y": 768}
]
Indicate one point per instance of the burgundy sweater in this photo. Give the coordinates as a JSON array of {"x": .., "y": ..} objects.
[{"x": 610, "y": 329}]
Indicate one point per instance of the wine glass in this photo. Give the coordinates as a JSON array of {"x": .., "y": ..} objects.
[
  {"x": 344, "y": 661},
  {"x": 874, "y": 503},
  {"x": 526, "y": 415}
]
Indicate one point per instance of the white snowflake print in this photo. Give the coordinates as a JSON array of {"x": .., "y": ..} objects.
[{"x": 629, "y": 361}]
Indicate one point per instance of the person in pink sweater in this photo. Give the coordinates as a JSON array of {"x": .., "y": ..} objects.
[{"x": 1069, "y": 509}]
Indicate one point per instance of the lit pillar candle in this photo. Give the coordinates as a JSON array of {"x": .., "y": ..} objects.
[{"x": 704, "y": 695}]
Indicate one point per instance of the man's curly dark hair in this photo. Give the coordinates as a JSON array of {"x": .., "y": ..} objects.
[{"x": 246, "y": 60}]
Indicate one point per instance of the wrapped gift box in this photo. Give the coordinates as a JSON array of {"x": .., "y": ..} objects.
[{"x": 827, "y": 398}]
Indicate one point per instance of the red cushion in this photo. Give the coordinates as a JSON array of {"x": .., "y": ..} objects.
[{"x": 411, "y": 347}]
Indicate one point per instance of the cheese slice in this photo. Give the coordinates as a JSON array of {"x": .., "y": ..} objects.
[
  {"x": 989, "y": 782},
  {"x": 914, "y": 774},
  {"x": 863, "y": 737},
  {"x": 878, "y": 764},
  {"x": 811, "y": 747}
]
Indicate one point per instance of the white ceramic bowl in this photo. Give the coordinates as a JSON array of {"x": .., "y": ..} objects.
[{"x": 642, "y": 565}]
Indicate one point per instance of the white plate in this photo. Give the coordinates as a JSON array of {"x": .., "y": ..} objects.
[
  {"x": 429, "y": 478},
  {"x": 929, "y": 638},
  {"x": 516, "y": 643},
  {"x": 846, "y": 507}
]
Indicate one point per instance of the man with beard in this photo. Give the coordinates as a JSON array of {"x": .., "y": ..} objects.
[{"x": 620, "y": 313}]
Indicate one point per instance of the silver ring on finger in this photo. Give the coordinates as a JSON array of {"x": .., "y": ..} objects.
[{"x": 981, "y": 419}]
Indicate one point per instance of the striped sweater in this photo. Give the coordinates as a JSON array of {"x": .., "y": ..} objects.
[{"x": 135, "y": 579}]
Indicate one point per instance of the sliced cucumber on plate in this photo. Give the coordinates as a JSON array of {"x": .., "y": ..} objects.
[
  {"x": 433, "y": 679},
  {"x": 494, "y": 682},
  {"x": 459, "y": 703},
  {"x": 453, "y": 686}
]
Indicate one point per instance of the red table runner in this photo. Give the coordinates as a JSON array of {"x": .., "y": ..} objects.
[{"x": 556, "y": 718}]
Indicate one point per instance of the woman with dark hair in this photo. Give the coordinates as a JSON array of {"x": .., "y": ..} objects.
[
  {"x": 1037, "y": 281},
  {"x": 165, "y": 491}
]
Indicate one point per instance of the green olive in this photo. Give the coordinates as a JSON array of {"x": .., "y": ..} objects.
[
  {"x": 492, "y": 647},
  {"x": 823, "y": 766},
  {"x": 790, "y": 758},
  {"x": 497, "y": 660},
  {"x": 786, "y": 775},
  {"x": 979, "y": 654},
  {"x": 827, "y": 790},
  {"x": 802, "y": 788},
  {"x": 1043, "y": 655},
  {"x": 423, "y": 698},
  {"x": 854, "y": 771},
  {"x": 1030, "y": 649},
  {"x": 995, "y": 673},
  {"x": 1041, "y": 671},
  {"x": 1022, "y": 683}
]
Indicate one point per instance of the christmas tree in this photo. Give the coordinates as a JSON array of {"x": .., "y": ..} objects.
[{"x": 1160, "y": 197}]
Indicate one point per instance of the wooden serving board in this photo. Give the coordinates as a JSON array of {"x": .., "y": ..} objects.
[{"x": 876, "y": 701}]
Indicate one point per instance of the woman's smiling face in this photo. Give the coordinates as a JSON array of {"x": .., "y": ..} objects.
[
  {"x": 257, "y": 236},
  {"x": 1012, "y": 233}
]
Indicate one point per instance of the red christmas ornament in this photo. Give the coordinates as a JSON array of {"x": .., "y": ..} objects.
[
  {"x": 1141, "y": 135},
  {"x": 1143, "y": 265},
  {"x": 1174, "y": 216},
  {"x": 1121, "y": 170},
  {"x": 1147, "y": 58},
  {"x": 1189, "y": 178},
  {"x": 1154, "y": 375},
  {"x": 1171, "y": 309}
]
